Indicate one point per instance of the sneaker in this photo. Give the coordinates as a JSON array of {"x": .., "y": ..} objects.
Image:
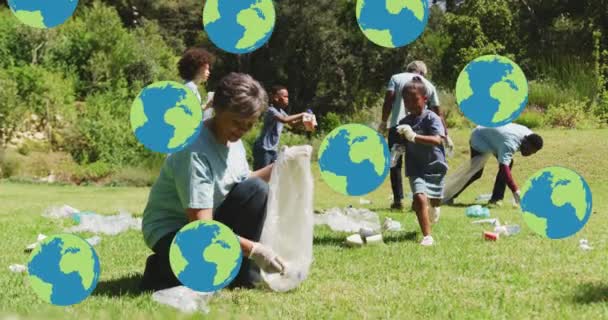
[
  {"x": 397, "y": 206},
  {"x": 427, "y": 241}
]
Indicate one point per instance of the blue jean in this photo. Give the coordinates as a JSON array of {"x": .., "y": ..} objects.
[{"x": 263, "y": 157}]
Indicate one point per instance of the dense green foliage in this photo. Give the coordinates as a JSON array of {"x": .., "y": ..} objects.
[{"x": 79, "y": 79}]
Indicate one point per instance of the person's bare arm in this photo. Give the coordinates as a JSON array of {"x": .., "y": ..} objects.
[
  {"x": 430, "y": 140},
  {"x": 293, "y": 119},
  {"x": 263, "y": 173},
  {"x": 389, "y": 98},
  {"x": 207, "y": 214}
]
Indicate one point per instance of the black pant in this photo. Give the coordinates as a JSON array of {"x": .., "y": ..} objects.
[
  {"x": 263, "y": 157},
  {"x": 396, "y": 177},
  {"x": 500, "y": 184},
  {"x": 243, "y": 211}
]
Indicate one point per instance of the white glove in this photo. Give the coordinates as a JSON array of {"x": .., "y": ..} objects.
[
  {"x": 448, "y": 144},
  {"x": 266, "y": 259},
  {"x": 517, "y": 197},
  {"x": 407, "y": 131}
]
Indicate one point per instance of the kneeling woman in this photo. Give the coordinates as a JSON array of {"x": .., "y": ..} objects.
[{"x": 210, "y": 179}]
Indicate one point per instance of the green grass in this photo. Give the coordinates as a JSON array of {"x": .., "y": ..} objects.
[{"x": 462, "y": 277}]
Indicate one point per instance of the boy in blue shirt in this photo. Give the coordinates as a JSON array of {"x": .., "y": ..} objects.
[
  {"x": 425, "y": 161},
  {"x": 265, "y": 148}
]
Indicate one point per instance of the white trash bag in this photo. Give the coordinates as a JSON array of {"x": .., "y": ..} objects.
[
  {"x": 184, "y": 299},
  {"x": 289, "y": 224},
  {"x": 457, "y": 180}
]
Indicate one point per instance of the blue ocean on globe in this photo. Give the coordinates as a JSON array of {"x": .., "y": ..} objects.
[
  {"x": 65, "y": 288},
  {"x": 206, "y": 256},
  {"x": 556, "y": 220},
  {"x": 354, "y": 160},
  {"x": 43, "y": 14}
]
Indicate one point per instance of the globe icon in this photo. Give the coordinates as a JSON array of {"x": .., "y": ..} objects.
[
  {"x": 239, "y": 26},
  {"x": 392, "y": 23},
  {"x": 354, "y": 159},
  {"x": 63, "y": 269},
  {"x": 556, "y": 202},
  {"x": 205, "y": 255},
  {"x": 43, "y": 14},
  {"x": 166, "y": 117},
  {"x": 492, "y": 91}
]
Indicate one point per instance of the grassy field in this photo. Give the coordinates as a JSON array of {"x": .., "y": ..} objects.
[{"x": 462, "y": 277}]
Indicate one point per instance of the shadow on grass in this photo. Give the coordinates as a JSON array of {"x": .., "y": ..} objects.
[
  {"x": 464, "y": 205},
  {"x": 588, "y": 293},
  {"x": 127, "y": 286}
]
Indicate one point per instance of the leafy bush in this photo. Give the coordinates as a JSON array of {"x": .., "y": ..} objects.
[
  {"x": 92, "y": 172},
  {"x": 531, "y": 119},
  {"x": 329, "y": 122},
  {"x": 573, "y": 114},
  {"x": 132, "y": 177},
  {"x": 9, "y": 164}
]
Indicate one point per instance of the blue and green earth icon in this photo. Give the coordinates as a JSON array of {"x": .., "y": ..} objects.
[
  {"x": 492, "y": 91},
  {"x": 63, "y": 270},
  {"x": 556, "y": 202},
  {"x": 239, "y": 26},
  {"x": 166, "y": 117},
  {"x": 205, "y": 255},
  {"x": 392, "y": 23},
  {"x": 354, "y": 159},
  {"x": 43, "y": 14}
]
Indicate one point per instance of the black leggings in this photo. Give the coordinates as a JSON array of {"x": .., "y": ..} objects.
[{"x": 243, "y": 211}]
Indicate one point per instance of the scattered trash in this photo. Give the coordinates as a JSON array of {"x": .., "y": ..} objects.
[
  {"x": 76, "y": 216},
  {"x": 490, "y": 236},
  {"x": 364, "y": 201},
  {"x": 95, "y": 240},
  {"x": 391, "y": 225},
  {"x": 477, "y": 211},
  {"x": 495, "y": 222},
  {"x": 508, "y": 230},
  {"x": 483, "y": 197},
  {"x": 33, "y": 246},
  {"x": 17, "y": 268},
  {"x": 110, "y": 225},
  {"x": 348, "y": 219},
  {"x": 184, "y": 299},
  {"x": 584, "y": 245},
  {"x": 64, "y": 211},
  {"x": 365, "y": 236},
  {"x": 354, "y": 240}
]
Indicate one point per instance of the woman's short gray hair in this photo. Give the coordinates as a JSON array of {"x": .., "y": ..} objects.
[
  {"x": 415, "y": 85},
  {"x": 241, "y": 94}
]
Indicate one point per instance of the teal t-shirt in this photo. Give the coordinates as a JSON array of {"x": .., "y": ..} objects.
[
  {"x": 396, "y": 84},
  {"x": 198, "y": 177},
  {"x": 503, "y": 142}
]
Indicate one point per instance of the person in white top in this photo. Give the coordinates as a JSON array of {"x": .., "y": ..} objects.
[{"x": 195, "y": 68}]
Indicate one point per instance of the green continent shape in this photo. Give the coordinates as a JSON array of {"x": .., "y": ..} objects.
[
  {"x": 510, "y": 99},
  {"x": 463, "y": 86},
  {"x": 360, "y": 5},
  {"x": 415, "y": 6},
  {"x": 81, "y": 262},
  {"x": 43, "y": 289},
  {"x": 185, "y": 125},
  {"x": 211, "y": 13},
  {"x": 380, "y": 37},
  {"x": 255, "y": 26},
  {"x": 176, "y": 259},
  {"x": 337, "y": 183},
  {"x": 573, "y": 192},
  {"x": 537, "y": 224},
  {"x": 225, "y": 259},
  {"x": 138, "y": 115},
  {"x": 370, "y": 149},
  {"x": 31, "y": 18}
]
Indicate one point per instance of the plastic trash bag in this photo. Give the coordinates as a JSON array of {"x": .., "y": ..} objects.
[
  {"x": 348, "y": 219},
  {"x": 64, "y": 211},
  {"x": 184, "y": 299},
  {"x": 457, "y": 180},
  {"x": 110, "y": 225},
  {"x": 288, "y": 228}
]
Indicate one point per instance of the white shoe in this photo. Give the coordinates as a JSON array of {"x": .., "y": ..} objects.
[
  {"x": 427, "y": 241},
  {"x": 434, "y": 214}
]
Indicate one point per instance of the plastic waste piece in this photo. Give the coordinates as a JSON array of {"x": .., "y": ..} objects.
[
  {"x": 584, "y": 245},
  {"x": 17, "y": 268},
  {"x": 477, "y": 211},
  {"x": 110, "y": 225},
  {"x": 184, "y": 299},
  {"x": 95, "y": 240},
  {"x": 494, "y": 221},
  {"x": 483, "y": 197},
  {"x": 396, "y": 152},
  {"x": 348, "y": 219},
  {"x": 33, "y": 246},
  {"x": 391, "y": 225},
  {"x": 364, "y": 201},
  {"x": 64, "y": 211}
]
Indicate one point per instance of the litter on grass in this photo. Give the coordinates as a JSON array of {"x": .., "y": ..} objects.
[
  {"x": 184, "y": 299},
  {"x": 348, "y": 219}
]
